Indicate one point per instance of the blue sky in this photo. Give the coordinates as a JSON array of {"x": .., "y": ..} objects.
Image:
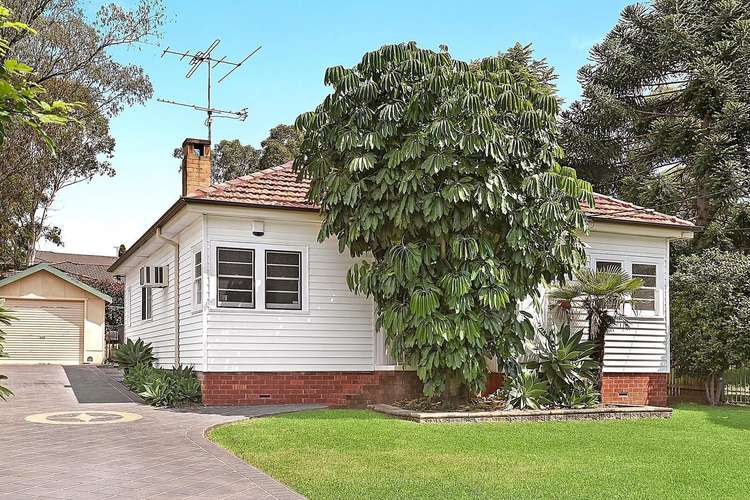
[{"x": 300, "y": 39}]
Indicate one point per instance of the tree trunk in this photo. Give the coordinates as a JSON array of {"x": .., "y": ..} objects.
[
  {"x": 598, "y": 338},
  {"x": 456, "y": 392},
  {"x": 702, "y": 209},
  {"x": 714, "y": 385}
]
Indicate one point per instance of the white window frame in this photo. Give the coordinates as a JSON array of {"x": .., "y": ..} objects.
[
  {"x": 253, "y": 278},
  {"x": 627, "y": 264},
  {"x": 211, "y": 267},
  {"x": 278, "y": 307},
  {"x": 148, "y": 313},
  {"x": 198, "y": 289}
]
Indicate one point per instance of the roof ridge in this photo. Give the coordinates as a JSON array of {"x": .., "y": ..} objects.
[
  {"x": 639, "y": 208},
  {"x": 238, "y": 180}
]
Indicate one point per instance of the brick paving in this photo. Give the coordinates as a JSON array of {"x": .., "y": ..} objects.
[{"x": 161, "y": 456}]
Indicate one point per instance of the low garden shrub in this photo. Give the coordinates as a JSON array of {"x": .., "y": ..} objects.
[
  {"x": 561, "y": 373},
  {"x": 133, "y": 353},
  {"x": 164, "y": 387}
]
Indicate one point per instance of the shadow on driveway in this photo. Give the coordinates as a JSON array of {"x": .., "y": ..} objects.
[{"x": 92, "y": 385}]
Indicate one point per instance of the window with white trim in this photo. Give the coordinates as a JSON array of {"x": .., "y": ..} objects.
[
  {"x": 197, "y": 279},
  {"x": 283, "y": 280},
  {"x": 644, "y": 299},
  {"x": 147, "y": 300},
  {"x": 235, "y": 283},
  {"x": 648, "y": 300}
]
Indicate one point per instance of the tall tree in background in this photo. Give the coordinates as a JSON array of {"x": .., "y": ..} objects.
[
  {"x": 231, "y": 159},
  {"x": 447, "y": 174},
  {"x": 664, "y": 120},
  {"x": 72, "y": 58},
  {"x": 281, "y": 145}
]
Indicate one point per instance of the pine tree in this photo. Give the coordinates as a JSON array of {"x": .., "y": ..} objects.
[{"x": 665, "y": 115}]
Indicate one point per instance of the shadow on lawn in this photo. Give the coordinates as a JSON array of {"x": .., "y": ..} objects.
[{"x": 733, "y": 417}]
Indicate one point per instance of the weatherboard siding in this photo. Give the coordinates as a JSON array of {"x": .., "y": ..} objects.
[
  {"x": 159, "y": 330},
  {"x": 641, "y": 346},
  {"x": 191, "y": 317},
  {"x": 332, "y": 332}
]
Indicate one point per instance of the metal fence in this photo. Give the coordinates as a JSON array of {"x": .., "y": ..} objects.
[{"x": 736, "y": 387}]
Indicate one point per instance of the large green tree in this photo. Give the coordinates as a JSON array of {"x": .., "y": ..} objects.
[
  {"x": 444, "y": 176},
  {"x": 23, "y": 103},
  {"x": 665, "y": 115},
  {"x": 710, "y": 307},
  {"x": 72, "y": 58}
]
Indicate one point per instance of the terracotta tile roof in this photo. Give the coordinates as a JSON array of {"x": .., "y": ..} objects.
[
  {"x": 273, "y": 187},
  {"x": 80, "y": 266},
  {"x": 614, "y": 210},
  {"x": 278, "y": 187}
]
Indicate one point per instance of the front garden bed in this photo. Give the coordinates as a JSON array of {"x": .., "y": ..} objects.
[{"x": 613, "y": 412}]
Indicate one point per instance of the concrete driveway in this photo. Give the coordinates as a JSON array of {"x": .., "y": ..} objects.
[{"x": 117, "y": 450}]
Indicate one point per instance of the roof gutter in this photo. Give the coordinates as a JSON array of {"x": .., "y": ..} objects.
[
  {"x": 176, "y": 307},
  {"x": 166, "y": 217}
]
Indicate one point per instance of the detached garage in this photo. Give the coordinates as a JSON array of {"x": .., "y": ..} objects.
[{"x": 59, "y": 319}]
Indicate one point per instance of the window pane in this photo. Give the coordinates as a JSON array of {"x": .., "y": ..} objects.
[
  {"x": 289, "y": 258},
  {"x": 283, "y": 280},
  {"x": 605, "y": 265},
  {"x": 235, "y": 255},
  {"x": 235, "y": 269},
  {"x": 197, "y": 258},
  {"x": 236, "y": 283},
  {"x": 644, "y": 305},
  {"x": 230, "y": 298},
  {"x": 644, "y": 270},
  {"x": 282, "y": 271},
  {"x": 645, "y": 293},
  {"x": 276, "y": 300},
  {"x": 276, "y": 285},
  {"x": 649, "y": 281}
]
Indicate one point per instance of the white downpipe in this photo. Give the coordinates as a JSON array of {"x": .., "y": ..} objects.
[{"x": 176, "y": 266}]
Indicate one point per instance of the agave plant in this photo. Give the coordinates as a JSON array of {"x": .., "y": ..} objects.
[
  {"x": 563, "y": 359},
  {"x": 133, "y": 353},
  {"x": 526, "y": 391},
  {"x": 582, "y": 396},
  {"x": 5, "y": 319}
]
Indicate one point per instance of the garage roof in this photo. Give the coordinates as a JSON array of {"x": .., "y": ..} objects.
[{"x": 59, "y": 274}]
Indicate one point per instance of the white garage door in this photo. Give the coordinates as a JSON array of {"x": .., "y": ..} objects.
[{"x": 45, "y": 331}]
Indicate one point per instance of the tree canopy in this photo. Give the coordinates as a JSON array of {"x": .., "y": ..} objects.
[
  {"x": 665, "y": 115},
  {"x": 445, "y": 177},
  {"x": 710, "y": 309},
  {"x": 71, "y": 57}
]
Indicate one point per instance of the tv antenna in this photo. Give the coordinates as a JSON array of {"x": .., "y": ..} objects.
[{"x": 195, "y": 61}]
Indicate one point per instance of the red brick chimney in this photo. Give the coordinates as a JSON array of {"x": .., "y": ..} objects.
[{"x": 196, "y": 165}]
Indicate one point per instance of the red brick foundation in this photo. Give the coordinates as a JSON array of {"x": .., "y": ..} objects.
[
  {"x": 350, "y": 389},
  {"x": 635, "y": 388},
  {"x": 494, "y": 382}
]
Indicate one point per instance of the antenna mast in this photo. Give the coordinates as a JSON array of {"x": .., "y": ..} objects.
[{"x": 195, "y": 61}]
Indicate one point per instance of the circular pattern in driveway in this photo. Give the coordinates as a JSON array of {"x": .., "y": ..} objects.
[{"x": 88, "y": 417}]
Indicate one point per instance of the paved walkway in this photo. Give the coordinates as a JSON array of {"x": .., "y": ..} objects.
[{"x": 162, "y": 455}]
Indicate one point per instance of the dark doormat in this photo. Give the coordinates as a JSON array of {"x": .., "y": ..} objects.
[{"x": 92, "y": 385}]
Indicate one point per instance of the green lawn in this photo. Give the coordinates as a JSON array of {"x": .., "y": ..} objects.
[{"x": 700, "y": 453}]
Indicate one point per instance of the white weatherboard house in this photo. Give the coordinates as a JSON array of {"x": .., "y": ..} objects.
[{"x": 232, "y": 280}]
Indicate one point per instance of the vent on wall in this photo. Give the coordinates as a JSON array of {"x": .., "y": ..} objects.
[{"x": 153, "y": 277}]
